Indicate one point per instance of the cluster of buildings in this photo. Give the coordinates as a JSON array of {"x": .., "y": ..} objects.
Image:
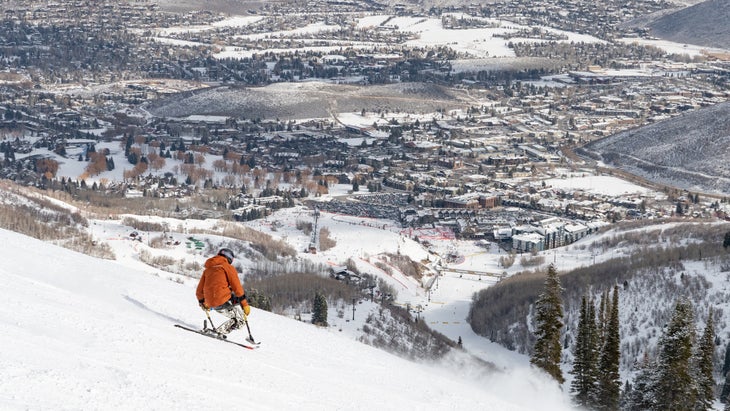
[{"x": 482, "y": 169}]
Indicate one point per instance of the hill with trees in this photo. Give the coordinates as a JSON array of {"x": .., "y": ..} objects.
[
  {"x": 689, "y": 151},
  {"x": 704, "y": 24},
  {"x": 662, "y": 295}
]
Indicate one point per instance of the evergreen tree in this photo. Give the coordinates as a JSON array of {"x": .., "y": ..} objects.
[
  {"x": 725, "y": 395},
  {"x": 584, "y": 357},
  {"x": 549, "y": 319},
  {"x": 674, "y": 386},
  {"x": 705, "y": 356},
  {"x": 127, "y": 145},
  {"x": 609, "y": 383},
  {"x": 624, "y": 401},
  {"x": 602, "y": 315},
  {"x": 642, "y": 396},
  {"x": 319, "y": 311},
  {"x": 726, "y": 374},
  {"x": 258, "y": 299}
]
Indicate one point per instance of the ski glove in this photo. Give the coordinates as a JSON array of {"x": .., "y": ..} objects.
[
  {"x": 246, "y": 307},
  {"x": 202, "y": 305},
  {"x": 239, "y": 300}
]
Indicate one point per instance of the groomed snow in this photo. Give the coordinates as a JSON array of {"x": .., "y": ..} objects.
[
  {"x": 83, "y": 333},
  {"x": 606, "y": 185}
]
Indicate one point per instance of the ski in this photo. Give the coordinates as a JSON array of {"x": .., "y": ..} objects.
[{"x": 211, "y": 334}]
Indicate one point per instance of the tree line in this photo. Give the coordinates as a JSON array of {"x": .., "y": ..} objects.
[{"x": 679, "y": 378}]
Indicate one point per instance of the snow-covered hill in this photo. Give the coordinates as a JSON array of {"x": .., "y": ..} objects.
[
  {"x": 704, "y": 24},
  {"x": 688, "y": 151},
  {"x": 83, "y": 333}
]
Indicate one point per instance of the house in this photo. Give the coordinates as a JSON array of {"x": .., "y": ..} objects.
[{"x": 343, "y": 274}]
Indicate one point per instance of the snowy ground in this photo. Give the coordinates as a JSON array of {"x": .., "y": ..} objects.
[
  {"x": 428, "y": 32},
  {"x": 83, "y": 333},
  {"x": 672, "y": 47},
  {"x": 605, "y": 185}
]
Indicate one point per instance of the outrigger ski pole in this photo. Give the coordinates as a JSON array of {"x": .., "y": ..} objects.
[
  {"x": 207, "y": 313},
  {"x": 250, "y": 337}
]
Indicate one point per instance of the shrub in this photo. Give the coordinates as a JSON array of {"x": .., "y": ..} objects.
[
  {"x": 304, "y": 226},
  {"x": 325, "y": 242},
  {"x": 405, "y": 265},
  {"x": 144, "y": 225},
  {"x": 296, "y": 290}
]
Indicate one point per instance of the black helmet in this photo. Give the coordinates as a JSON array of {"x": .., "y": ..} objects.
[{"x": 226, "y": 252}]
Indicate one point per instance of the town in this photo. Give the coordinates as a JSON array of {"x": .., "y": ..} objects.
[{"x": 464, "y": 132}]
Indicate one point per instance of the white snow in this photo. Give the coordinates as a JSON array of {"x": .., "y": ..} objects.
[
  {"x": 309, "y": 29},
  {"x": 83, "y": 333},
  {"x": 427, "y": 32},
  {"x": 606, "y": 185},
  {"x": 672, "y": 47},
  {"x": 371, "y": 21}
]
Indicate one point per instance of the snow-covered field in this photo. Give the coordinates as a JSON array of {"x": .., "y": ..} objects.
[
  {"x": 672, "y": 47},
  {"x": 605, "y": 185},
  {"x": 428, "y": 32}
]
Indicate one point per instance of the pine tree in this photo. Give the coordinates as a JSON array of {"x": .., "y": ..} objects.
[
  {"x": 596, "y": 344},
  {"x": 609, "y": 383},
  {"x": 257, "y": 299},
  {"x": 726, "y": 388},
  {"x": 725, "y": 395},
  {"x": 705, "y": 356},
  {"x": 549, "y": 319},
  {"x": 674, "y": 386},
  {"x": 583, "y": 385},
  {"x": 726, "y": 363},
  {"x": 319, "y": 311},
  {"x": 626, "y": 393},
  {"x": 642, "y": 396}
]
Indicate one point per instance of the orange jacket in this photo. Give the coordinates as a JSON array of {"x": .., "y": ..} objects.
[{"x": 218, "y": 281}]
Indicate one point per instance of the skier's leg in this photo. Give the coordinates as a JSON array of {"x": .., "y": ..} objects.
[{"x": 230, "y": 324}]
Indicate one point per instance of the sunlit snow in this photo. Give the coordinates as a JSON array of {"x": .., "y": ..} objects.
[{"x": 83, "y": 333}]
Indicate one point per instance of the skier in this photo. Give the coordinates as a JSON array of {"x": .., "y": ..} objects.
[{"x": 220, "y": 289}]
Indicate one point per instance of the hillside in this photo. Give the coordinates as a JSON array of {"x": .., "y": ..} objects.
[
  {"x": 307, "y": 100},
  {"x": 663, "y": 261},
  {"x": 84, "y": 333},
  {"x": 704, "y": 24},
  {"x": 220, "y": 6},
  {"x": 104, "y": 328},
  {"x": 689, "y": 151}
]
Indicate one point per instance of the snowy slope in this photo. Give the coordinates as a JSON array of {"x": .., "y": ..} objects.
[{"x": 83, "y": 333}]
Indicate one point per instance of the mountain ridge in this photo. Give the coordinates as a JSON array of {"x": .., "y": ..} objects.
[
  {"x": 703, "y": 24},
  {"x": 688, "y": 151}
]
